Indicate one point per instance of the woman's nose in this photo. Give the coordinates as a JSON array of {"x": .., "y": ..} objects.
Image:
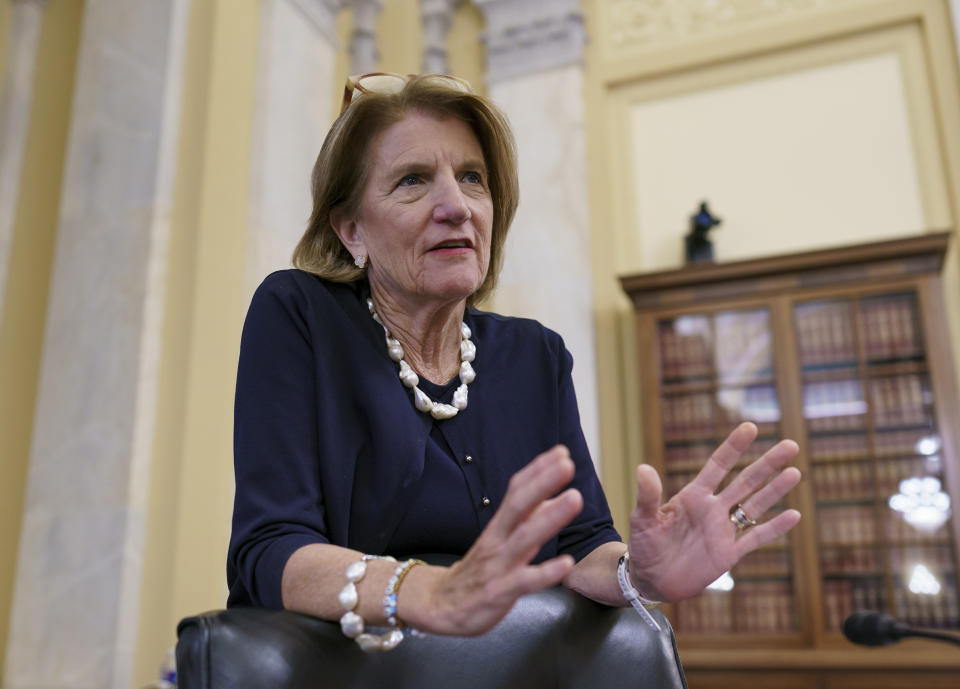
[{"x": 450, "y": 205}]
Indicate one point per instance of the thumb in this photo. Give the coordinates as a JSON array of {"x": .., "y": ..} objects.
[{"x": 649, "y": 491}]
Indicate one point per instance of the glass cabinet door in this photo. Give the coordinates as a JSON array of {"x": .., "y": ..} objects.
[
  {"x": 716, "y": 370},
  {"x": 881, "y": 508}
]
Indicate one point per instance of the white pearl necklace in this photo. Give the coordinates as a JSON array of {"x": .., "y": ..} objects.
[{"x": 438, "y": 410}]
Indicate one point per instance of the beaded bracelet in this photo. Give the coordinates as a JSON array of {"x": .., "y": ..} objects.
[
  {"x": 390, "y": 593},
  {"x": 351, "y": 623}
]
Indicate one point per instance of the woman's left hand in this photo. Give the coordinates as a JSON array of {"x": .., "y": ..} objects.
[{"x": 678, "y": 548}]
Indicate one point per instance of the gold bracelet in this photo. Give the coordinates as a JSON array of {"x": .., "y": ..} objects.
[{"x": 390, "y": 593}]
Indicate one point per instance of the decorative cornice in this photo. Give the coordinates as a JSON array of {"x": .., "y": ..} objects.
[
  {"x": 322, "y": 14},
  {"x": 634, "y": 24},
  {"x": 525, "y": 38}
]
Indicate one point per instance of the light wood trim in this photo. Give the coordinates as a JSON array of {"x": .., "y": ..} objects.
[
  {"x": 908, "y": 654},
  {"x": 934, "y": 244},
  {"x": 807, "y": 590}
]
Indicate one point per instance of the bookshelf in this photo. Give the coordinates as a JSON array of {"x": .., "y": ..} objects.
[{"x": 846, "y": 351}]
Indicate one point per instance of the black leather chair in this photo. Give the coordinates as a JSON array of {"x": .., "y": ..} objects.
[{"x": 555, "y": 638}]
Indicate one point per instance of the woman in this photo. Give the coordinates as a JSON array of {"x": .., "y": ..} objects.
[{"x": 378, "y": 413}]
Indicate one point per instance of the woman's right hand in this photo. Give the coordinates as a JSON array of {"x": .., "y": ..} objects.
[{"x": 471, "y": 596}]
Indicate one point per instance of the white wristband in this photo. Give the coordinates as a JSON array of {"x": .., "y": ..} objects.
[{"x": 633, "y": 596}]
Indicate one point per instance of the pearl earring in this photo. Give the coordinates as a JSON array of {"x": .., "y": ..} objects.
[{"x": 360, "y": 261}]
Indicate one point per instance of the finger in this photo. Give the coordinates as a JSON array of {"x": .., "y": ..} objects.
[
  {"x": 772, "y": 493},
  {"x": 649, "y": 494},
  {"x": 725, "y": 457},
  {"x": 759, "y": 472},
  {"x": 767, "y": 532},
  {"x": 541, "y": 525},
  {"x": 530, "y": 486}
]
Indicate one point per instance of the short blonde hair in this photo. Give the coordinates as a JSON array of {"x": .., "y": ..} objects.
[{"x": 342, "y": 170}]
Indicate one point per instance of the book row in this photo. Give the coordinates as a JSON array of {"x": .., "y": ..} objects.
[
  {"x": 862, "y": 480},
  {"x": 740, "y": 349},
  {"x": 842, "y": 597},
  {"x": 838, "y": 405},
  {"x": 825, "y": 333},
  {"x": 696, "y": 414},
  {"x": 891, "y": 472},
  {"x": 936, "y": 558},
  {"x": 834, "y": 405},
  {"x": 849, "y": 524},
  {"x": 926, "y": 610},
  {"x": 738, "y": 344},
  {"x": 850, "y": 561},
  {"x": 898, "y": 530},
  {"x": 757, "y": 607},
  {"x": 743, "y": 345},
  {"x": 765, "y": 562},
  {"x": 887, "y": 326},
  {"x": 885, "y": 443},
  {"x": 843, "y": 481},
  {"x": 845, "y": 446},
  {"x": 686, "y": 415},
  {"x": 857, "y": 525},
  {"x": 839, "y": 562},
  {"x": 899, "y": 400},
  {"x": 756, "y": 403},
  {"x": 686, "y": 349}
]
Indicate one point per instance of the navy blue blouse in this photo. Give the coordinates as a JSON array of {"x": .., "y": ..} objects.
[{"x": 328, "y": 447}]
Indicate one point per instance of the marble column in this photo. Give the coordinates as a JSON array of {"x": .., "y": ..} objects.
[
  {"x": 363, "y": 40},
  {"x": 15, "y": 101},
  {"x": 436, "y": 15},
  {"x": 535, "y": 73},
  {"x": 75, "y": 604},
  {"x": 297, "y": 56}
]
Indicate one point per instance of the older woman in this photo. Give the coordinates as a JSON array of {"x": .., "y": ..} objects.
[{"x": 378, "y": 413}]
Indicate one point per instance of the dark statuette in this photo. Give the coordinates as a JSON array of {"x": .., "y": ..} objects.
[{"x": 699, "y": 247}]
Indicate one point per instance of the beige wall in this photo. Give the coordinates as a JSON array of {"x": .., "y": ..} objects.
[
  {"x": 823, "y": 156},
  {"x": 31, "y": 257},
  {"x": 635, "y": 225}
]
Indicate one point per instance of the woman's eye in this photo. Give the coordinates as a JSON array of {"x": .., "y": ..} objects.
[
  {"x": 473, "y": 178},
  {"x": 409, "y": 180}
]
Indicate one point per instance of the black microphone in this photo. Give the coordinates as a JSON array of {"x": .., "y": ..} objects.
[{"x": 880, "y": 629}]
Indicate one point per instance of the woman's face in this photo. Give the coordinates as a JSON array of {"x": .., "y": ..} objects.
[{"x": 426, "y": 215}]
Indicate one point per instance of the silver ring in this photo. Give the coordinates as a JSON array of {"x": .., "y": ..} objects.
[{"x": 741, "y": 520}]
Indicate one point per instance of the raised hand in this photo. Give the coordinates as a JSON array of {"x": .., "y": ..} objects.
[
  {"x": 475, "y": 593},
  {"x": 678, "y": 548}
]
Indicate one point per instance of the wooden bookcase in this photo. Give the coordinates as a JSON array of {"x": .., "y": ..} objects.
[{"x": 846, "y": 351}]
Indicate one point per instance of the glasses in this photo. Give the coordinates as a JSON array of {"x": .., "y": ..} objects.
[{"x": 390, "y": 82}]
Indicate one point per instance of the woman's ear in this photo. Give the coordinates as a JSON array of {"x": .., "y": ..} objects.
[{"x": 347, "y": 230}]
